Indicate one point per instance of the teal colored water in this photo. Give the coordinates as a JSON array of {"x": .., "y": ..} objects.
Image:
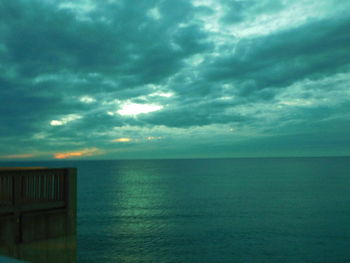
[{"x": 218, "y": 210}]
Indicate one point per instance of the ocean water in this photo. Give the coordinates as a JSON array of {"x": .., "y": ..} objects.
[{"x": 216, "y": 210}]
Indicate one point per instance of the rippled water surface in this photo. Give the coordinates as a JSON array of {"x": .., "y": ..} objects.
[{"x": 219, "y": 210}]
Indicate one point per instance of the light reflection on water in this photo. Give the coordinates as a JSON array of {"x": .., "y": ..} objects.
[{"x": 140, "y": 198}]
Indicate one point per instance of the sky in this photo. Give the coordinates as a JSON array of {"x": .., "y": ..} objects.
[{"x": 124, "y": 79}]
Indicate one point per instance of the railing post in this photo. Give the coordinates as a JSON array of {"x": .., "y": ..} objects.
[
  {"x": 16, "y": 201},
  {"x": 71, "y": 198},
  {"x": 71, "y": 206}
]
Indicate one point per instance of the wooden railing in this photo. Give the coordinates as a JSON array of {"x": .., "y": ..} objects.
[
  {"x": 6, "y": 190},
  {"x": 35, "y": 189},
  {"x": 38, "y": 214},
  {"x": 43, "y": 187}
]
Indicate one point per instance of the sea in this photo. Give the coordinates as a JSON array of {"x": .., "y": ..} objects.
[{"x": 212, "y": 210}]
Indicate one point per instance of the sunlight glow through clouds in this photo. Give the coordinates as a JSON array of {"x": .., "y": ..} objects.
[
  {"x": 126, "y": 139},
  {"x": 133, "y": 109},
  {"x": 162, "y": 94},
  {"x": 122, "y": 140},
  {"x": 66, "y": 119}
]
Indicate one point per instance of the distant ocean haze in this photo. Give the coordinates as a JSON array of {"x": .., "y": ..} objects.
[{"x": 212, "y": 210}]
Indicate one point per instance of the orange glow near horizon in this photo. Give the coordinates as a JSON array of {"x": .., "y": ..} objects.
[
  {"x": 67, "y": 155},
  {"x": 81, "y": 153},
  {"x": 18, "y": 156}
]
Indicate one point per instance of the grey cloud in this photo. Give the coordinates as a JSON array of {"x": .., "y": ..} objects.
[
  {"x": 278, "y": 60},
  {"x": 41, "y": 40},
  {"x": 51, "y": 57},
  {"x": 195, "y": 113},
  {"x": 238, "y": 11},
  {"x": 22, "y": 113}
]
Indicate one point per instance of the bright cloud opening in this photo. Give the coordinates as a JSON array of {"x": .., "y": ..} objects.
[
  {"x": 56, "y": 123},
  {"x": 66, "y": 119},
  {"x": 87, "y": 99},
  {"x": 162, "y": 94},
  {"x": 133, "y": 109},
  {"x": 122, "y": 140}
]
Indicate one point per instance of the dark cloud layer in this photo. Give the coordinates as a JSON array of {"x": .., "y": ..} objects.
[
  {"x": 212, "y": 75},
  {"x": 280, "y": 59}
]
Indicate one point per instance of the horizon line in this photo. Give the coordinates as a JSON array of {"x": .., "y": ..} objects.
[{"x": 174, "y": 158}]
